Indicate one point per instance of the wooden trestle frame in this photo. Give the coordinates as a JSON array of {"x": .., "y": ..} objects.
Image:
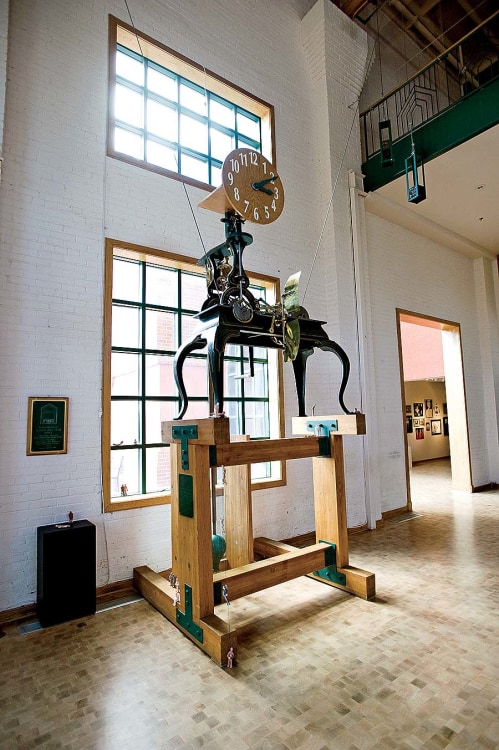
[{"x": 192, "y": 562}]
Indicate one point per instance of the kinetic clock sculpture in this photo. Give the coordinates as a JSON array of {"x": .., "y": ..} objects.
[{"x": 251, "y": 190}]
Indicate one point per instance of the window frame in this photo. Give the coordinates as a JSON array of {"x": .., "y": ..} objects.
[
  {"x": 121, "y": 33},
  {"x": 275, "y": 380}
]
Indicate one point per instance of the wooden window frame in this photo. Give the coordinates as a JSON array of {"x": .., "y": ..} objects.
[
  {"x": 138, "y": 252},
  {"x": 143, "y": 45}
]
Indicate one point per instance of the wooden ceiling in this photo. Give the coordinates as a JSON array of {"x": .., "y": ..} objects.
[{"x": 433, "y": 25}]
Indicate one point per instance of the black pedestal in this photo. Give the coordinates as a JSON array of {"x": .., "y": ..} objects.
[{"x": 66, "y": 585}]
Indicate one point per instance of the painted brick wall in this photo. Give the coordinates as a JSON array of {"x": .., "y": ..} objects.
[{"x": 412, "y": 273}]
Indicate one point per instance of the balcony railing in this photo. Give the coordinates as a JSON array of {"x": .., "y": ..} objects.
[{"x": 457, "y": 73}]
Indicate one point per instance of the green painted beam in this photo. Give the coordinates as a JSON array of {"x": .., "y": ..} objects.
[{"x": 464, "y": 120}]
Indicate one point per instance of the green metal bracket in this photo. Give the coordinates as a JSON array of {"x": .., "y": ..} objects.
[
  {"x": 330, "y": 572},
  {"x": 184, "y": 434},
  {"x": 322, "y": 427},
  {"x": 186, "y": 495},
  {"x": 185, "y": 620}
]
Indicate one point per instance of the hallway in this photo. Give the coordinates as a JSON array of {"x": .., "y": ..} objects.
[{"x": 416, "y": 668}]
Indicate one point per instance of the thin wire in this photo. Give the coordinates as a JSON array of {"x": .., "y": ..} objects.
[
  {"x": 133, "y": 25},
  {"x": 176, "y": 160},
  {"x": 354, "y": 119}
]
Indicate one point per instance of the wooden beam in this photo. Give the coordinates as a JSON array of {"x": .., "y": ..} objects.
[
  {"x": 238, "y": 512},
  {"x": 359, "y": 582},
  {"x": 211, "y": 431},
  {"x": 259, "y": 451},
  {"x": 217, "y": 639},
  {"x": 270, "y": 548},
  {"x": 266, "y": 573}
]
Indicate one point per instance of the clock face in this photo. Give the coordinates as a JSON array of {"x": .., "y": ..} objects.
[{"x": 252, "y": 186}]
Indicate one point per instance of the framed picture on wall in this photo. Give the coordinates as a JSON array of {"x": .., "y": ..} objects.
[
  {"x": 436, "y": 426},
  {"x": 419, "y": 433},
  {"x": 446, "y": 426},
  {"x": 408, "y": 423},
  {"x": 436, "y": 410},
  {"x": 428, "y": 426},
  {"x": 428, "y": 405},
  {"x": 408, "y": 409},
  {"x": 445, "y": 407},
  {"x": 418, "y": 409}
]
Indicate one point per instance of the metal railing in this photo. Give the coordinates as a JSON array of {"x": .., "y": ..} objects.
[{"x": 454, "y": 75}]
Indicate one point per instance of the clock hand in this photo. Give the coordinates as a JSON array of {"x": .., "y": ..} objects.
[{"x": 259, "y": 185}]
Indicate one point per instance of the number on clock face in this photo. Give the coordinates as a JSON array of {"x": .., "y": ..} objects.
[{"x": 252, "y": 186}]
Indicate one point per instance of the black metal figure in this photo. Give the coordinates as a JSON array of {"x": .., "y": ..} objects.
[{"x": 231, "y": 314}]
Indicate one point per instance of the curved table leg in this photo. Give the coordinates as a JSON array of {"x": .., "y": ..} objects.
[
  {"x": 332, "y": 346},
  {"x": 217, "y": 341},
  {"x": 198, "y": 342},
  {"x": 300, "y": 371}
]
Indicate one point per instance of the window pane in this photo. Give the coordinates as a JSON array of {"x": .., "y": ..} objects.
[
  {"x": 158, "y": 412},
  {"x": 159, "y": 375},
  {"x": 125, "y": 374},
  {"x": 194, "y": 134},
  {"x": 233, "y": 350},
  {"x": 126, "y": 470},
  {"x": 260, "y": 471},
  {"x": 158, "y": 474},
  {"x": 256, "y": 419},
  {"x": 162, "y": 156},
  {"x": 233, "y": 411},
  {"x": 189, "y": 324},
  {"x": 162, "y": 120},
  {"x": 233, "y": 378},
  {"x": 128, "y": 143},
  {"x": 129, "y": 106},
  {"x": 162, "y": 83},
  {"x": 197, "y": 169},
  {"x": 125, "y": 423},
  {"x": 161, "y": 286},
  {"x": 197, "y": 410},
  {"x": 221, "y": 144},
  {"x": 196, "y": 377},
  {"x": 222, "y": 113},
  {"x": 130, "y": 68},
  {"x": 248, "y": 125},
  {"x": 193, "y": 291},
  {"x": 256, "y": 386},
  {"x": 126, "y": 327},
  {"x": 216, "y": 175},
  {"x": 161, "y": 330},
  {"x": 127, "y": 280},
  {"x": 193, "y": 99}
]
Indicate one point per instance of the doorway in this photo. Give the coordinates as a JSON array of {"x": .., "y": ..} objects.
[{"x": 444, "y": 337}]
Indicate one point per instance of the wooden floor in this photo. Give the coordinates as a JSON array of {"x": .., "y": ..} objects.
[{"x": 416, "y": 668}]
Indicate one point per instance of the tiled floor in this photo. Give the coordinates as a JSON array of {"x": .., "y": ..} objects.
[{"x": 416, "y": 668}]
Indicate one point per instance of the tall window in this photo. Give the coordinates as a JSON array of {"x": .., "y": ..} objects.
[
  {"x": 170, "y": 115},
  {"x": 151, "y": 298}
]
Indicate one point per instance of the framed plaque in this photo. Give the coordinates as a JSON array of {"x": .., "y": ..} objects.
[{"x": 47, "y": 426}]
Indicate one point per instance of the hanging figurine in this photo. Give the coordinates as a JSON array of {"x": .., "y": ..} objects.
[
  {"x": 176, "y": 596},
  {"x": 171, "y": 578},
  {"x": 225, "y": 593},
  {"x": 230, "y": 657}
]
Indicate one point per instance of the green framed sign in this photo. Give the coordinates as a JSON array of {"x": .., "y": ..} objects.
[{"x": 47, "y": 426}]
